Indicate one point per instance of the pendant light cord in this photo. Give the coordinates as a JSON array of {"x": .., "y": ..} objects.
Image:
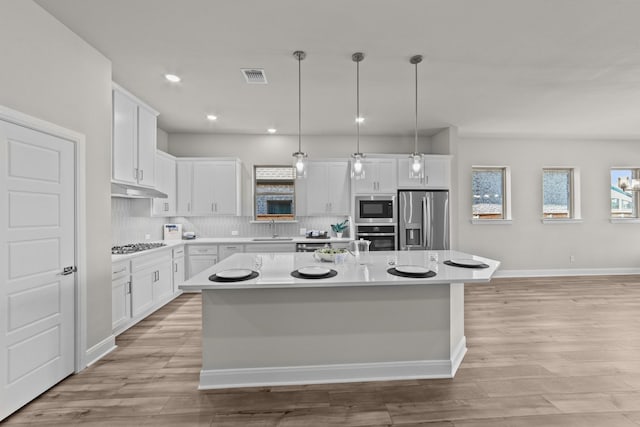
[
  {"x": 358, "y": 106},
  {"x": 415, "y": 150},
  {"x": 299, "y": 105}
]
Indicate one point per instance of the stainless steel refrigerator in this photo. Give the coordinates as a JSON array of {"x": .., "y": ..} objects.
[{"x": 423, "y": 220}]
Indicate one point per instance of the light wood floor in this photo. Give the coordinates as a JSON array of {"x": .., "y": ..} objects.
[{"x": 542, "y": 352}]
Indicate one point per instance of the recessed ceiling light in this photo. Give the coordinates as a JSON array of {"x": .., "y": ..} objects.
[
  {"x": 272, "y": 130},
  {"x": 212, "y": 117},
  {"x": 359, "y": 119},
  {"x": 172, "y": 78}
]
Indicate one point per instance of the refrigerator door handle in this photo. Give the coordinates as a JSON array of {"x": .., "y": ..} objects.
[
  {"x": 426, "y": 222},
  {"x": 445, "y": 238}
]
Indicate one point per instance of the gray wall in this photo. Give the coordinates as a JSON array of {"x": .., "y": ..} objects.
[
  {"x": 50, "y": 73},
  {"x": 528, "y": 244},
  {"x": 163, "y": 141}
]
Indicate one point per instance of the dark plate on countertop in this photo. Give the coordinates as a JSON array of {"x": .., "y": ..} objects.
[
  {"x": 297, "y": 275},
  {"x": 463, "y": 264},
  {"x": 395, "y": 272},
  {"x": 215, "y": 278}
]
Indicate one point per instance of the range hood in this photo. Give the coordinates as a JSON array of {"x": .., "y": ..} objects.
[{"x": 134, "y": 192}]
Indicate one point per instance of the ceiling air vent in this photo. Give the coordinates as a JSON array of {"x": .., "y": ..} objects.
[{"x": 254, "y": 75}]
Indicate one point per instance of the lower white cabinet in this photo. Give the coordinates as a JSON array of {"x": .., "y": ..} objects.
[
  {"x": 178, "y": 269},
  {"x": 201, "y": 257},
  {"x": 226, "y": 251},
  {"x": 141, "y": 285},
  {"x": 121, "y": 294}
]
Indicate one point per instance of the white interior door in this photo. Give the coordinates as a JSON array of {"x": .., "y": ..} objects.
[{"x": 37, "y": 241}]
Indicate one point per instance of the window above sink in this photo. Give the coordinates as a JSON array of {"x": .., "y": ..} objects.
[{"x": 274, "y": 193}]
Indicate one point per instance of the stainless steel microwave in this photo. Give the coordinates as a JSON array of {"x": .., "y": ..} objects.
[{"x": 375, "y": 209}]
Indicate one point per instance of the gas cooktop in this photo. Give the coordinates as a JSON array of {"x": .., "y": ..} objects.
[{"x": 134, "y": 247}]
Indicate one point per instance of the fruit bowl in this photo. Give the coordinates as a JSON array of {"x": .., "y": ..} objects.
[{"x": 329, "y": 254}]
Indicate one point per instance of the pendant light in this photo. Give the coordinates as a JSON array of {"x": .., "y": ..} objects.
[
  {"x": 357, "y": 167},
  {"x": 299, "y": 157},
  {"x": 416, "y": 171}
]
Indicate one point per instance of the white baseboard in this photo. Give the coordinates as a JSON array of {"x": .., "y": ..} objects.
[
  {"x": 458, "y": 355},
  {"x": 100, "y": 350},
  {"x": 322, "y": 374},
  {"x": 566, "y": 272}
]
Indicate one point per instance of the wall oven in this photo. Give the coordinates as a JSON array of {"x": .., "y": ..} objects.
[
  {"x": 375, "y": 209},
  {"x": 382, "y": 237}
]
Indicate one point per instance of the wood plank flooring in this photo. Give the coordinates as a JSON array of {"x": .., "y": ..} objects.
[{"x": 542, "y": 352}]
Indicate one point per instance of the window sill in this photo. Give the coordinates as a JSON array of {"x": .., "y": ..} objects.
[
  {"x": 561, "y": 220},
  {"x": 625, "y": 220},
  {"x": 491, "y": 221}
]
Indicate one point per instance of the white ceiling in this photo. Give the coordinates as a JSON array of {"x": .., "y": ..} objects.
[{"x": 541, "y": 67}]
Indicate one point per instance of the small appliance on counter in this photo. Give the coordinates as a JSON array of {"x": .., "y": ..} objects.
[
  {"x": 189, "y": 235},
  {"x": 172, "y": 231},
  {"x": 315, "y": 234}
]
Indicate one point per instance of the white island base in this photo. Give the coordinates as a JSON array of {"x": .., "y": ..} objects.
[{"x": 382, "y": 327}]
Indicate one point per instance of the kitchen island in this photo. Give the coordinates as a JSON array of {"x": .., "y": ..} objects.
[{"x": 363, "y": 324}]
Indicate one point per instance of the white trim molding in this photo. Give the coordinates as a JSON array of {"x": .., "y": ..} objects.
[
  {"x": 336, "y": 373},
  {"x": 566, "y": 272},
  {"x": 100, "y": 350},
  {"x": 79, "y": 141},
  {"x": 458, "y": 354}
]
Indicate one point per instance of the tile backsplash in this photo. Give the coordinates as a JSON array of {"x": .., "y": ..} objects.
[{"x": 130, "y": 222}]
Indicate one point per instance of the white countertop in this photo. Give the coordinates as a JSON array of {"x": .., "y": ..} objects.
[
  {"x": 226, "y": 240},
  {"x": 277, "y": 267}
]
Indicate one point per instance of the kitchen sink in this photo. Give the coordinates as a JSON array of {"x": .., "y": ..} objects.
[{"x": 272, "y": 239}]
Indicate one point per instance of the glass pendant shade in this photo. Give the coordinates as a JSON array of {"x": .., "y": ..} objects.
[
  {"x": 300, "y": 164},
  {"x": 417, "y": 170},
  {"x": 357, "y": 168}
]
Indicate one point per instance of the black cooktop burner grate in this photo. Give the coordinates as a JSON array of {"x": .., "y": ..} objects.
[{"x": 134, "y": 247}]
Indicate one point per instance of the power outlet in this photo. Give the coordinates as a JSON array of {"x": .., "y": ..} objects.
[
  {"x": 572, "y": 258},
  {"x": 147, "y": 237},
  {"x": 234, "y": 232},
  {"x": 303, "y": 231}
]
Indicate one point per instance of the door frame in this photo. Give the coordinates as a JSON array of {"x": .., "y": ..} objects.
[{"x": 80, "y": 287}]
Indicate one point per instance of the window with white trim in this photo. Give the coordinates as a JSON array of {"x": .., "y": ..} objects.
[
  {"x": 625, "y": 183},
  {"x": 559, "y": 193},
  {"x": 490, "y": 188}
]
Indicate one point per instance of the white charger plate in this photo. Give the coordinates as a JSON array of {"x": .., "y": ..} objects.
[
  {"x": 411, "y": 269},
  {"x": 234, "y": 273},
  {"x": 314, "y": 271},
  {"x": 467, "y": 261}
]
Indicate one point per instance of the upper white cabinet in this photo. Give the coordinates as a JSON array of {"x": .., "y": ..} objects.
[
  {"x": 437, "y": 173},
  {"x": 184, "y": 180},
  {"x": 165, "y": 182},
  {"x": 209, "y": 187},
  {"x": 380, "y": 177},
  {"x": 134, "y": 140},
  {"x": 326, "y": 188}
]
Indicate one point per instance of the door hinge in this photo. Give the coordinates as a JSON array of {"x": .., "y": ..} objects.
[{"x": 68, "y": 270}]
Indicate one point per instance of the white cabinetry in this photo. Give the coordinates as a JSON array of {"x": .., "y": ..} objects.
[
  {"x": 165, "y": 182},
  {"x": 134, "y": 140},
  {"x": 184, "y": 181},
  {"x": 121, "y": 294},
  {"x": 150, "y": 281},
  {"x": 225, "y": 251},
  {"x": 437, "y": 173},
  {"x": 327, "y": 188},
  {"x": 178, "y": 268},
  {"x": 209, "y": 187},
  {"x": 201, "y": 257},
  {"x": 270, "y": 247},
  {"x": 380, "y": 177}
]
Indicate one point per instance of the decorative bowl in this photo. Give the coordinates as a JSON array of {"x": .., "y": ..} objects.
[{"x": 329, "y": 254}]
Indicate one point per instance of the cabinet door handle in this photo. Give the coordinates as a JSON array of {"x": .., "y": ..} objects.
[
  {"x": 135, "y": 174},
  {"x": 141, "y": 175},
  {"x": 188, "y": 206},
  {"x": 120, "y": 271},
  {"x": 128, "y": 288},
  {"x": 175, "y": 267},
  {"x": 216, "y": 207}
]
